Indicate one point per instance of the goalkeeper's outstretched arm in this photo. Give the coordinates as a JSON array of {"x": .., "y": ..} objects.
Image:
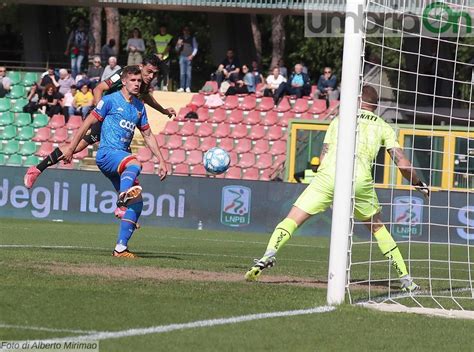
[{"x": 407, "y": 171}]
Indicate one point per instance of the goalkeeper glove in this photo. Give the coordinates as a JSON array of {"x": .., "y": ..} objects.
[{"x": 423, "y": 189}]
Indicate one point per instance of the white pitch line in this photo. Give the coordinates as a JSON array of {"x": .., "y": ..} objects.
[
  {"x": 192, "y": 325},
  {"x": 39, "y": 328}
]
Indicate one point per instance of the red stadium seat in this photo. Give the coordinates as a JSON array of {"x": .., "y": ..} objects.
[
  {"x": 234, "y": 172},
  {"x": 182, "y": 113},
  {"x": 266, "y": 175},
  {"x": 204, "y": 130},
  {"x": 250, "y": 174},
  {"x": 318, "y": 107},
  {"x": 222, "y": 131},
  {"x": 171, "y": 127},
  {"x": 248, "y": 103},
  {"x": 274, "y": 133},
  {"x": 270, "y": 119},
  {"x": 280, "y": 159},
  {"x": 42, "y": 135},
  {"x": 60, "y": 136},
  {"x": 82, "y": 154},
  {"x": 181, "y": 170},
  {"x": 278, "y": 148},
  {"x": 210, "y": 87},
  {"x": 57, "y": 121},
  {"x": 236, "y": 117},
  {"x": 198, "y": 100},
  {"x": 231, "y": 102},
  {"x": 219, "y": 116},
  {"x": 234, "y": 158},
  {"x": 191, "y": 143},
  {"x": 177, "y": 157},
  {"x": 160, "y": 139},
  {"x": 45, "y": 149},
  {"x": 300, "y": 106},
  {"x": 174, "y": 142},
  {"x": 207, "y": 143},
  {"x": 257, "y": 132},
  {"x": 266, "y": 104},
  {"x": 247, "y": 160},
  {"x": 203, "y": 114},
  {"x": 194, "y": 158},
  {"x": 144, "y": 154},
  {"x": 253, "y": 118},
  {"x": 187, "y": 129},
  {"x": 199, "y": 170},
  {"x": 306, "y": 116},
  {"x": 314, "y": 88},
  {"x": 74, "y": 122},
  {"x": 286, "y": 118},
  {"x": 261, "y": 146},
  {"x": 239, "y": 131},
  {"x": 264, "y": 161},
  {"x": 227, "y": 144},
  {"x": 243, "y": 146},
  {"x": 148, "y": 167},
  {"x": 283, "y": 106}
]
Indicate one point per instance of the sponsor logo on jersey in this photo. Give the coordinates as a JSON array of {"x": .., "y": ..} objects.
[
  {"x": 407, "y": 217},
  {"x": 235, "y": 206},
  {"x": 128, "y": 125}
]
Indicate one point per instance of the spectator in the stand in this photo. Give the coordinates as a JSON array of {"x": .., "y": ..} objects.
[
  {"x": 5, "y": 82},
  {"x": 77, "y": 46},
  {"x": 327, "y": 86},
  {"x": 111, "y": 68},
  {"x": 107, "y": 50},
  {"x": 283, "y": 69},
  {"x": 82, "y": 102},
  {"x": 135, "y": 48},
  {"x": 257, "y": 74},
  {"x": 228, "y": 69},
  {"x": 48, "y": 77},
  {"x": 245, "y": 84},
  {"x": 187, "y": 48},
  {"x": 163, "y": 47},
  {"x": 49, "y": 101},
  {"x": 65, "y": 81},
  {"x": 68, "y": 99},
  {"x": 273, "y": 82},
  {"x": 33, "y": 100},
  {"x": 305, "y": 68},
  {"x": 95, "y": 72},
  {"x": 298, "y": 84}
]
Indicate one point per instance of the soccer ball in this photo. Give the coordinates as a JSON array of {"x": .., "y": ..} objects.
[{"x": 216, "y": 161}]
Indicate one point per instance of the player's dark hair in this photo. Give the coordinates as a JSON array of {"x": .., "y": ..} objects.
[
  {"x": 152, "y": 60},
  {"x": 130, "y": 70},
  {"x": 370, "y": 96}
]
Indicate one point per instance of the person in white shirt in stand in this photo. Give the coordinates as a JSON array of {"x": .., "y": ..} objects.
[
  {"x": 273, "y": 82},
  {"x": 111, "y": 68}
]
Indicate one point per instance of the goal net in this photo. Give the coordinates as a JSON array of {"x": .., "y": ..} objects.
[{"x": 419, "y": 56}]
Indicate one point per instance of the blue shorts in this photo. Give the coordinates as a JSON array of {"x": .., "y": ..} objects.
[{"x": 112, "y": 162}]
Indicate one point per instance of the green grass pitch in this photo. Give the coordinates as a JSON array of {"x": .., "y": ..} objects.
[{"x": 62, "y": 276}]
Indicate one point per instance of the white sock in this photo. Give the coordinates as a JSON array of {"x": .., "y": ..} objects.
[{"x": 120, "y": 248}]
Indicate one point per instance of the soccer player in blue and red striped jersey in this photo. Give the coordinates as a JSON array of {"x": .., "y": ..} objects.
[{"x": 119, "y": 114}]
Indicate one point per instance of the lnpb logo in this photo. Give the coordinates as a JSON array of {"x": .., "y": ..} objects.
[
  {"x": 407, "y": 217},
  {"x": 235, "y": 206}
]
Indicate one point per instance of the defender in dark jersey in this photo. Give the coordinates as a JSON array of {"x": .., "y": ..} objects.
[{"x": 149, "y": 69}]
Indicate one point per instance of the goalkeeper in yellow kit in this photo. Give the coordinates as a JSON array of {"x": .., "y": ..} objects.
[{"x": 373, "y": 133}]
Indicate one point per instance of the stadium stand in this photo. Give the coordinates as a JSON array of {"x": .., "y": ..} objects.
[{"x": 250, "y": 127}]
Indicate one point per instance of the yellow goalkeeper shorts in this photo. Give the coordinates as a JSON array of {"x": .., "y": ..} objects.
[{"x": 319, "y": 194}]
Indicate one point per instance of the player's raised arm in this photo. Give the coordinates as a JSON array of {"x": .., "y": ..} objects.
[
  {"x": 407, "y": 171},
  {"x": 155, "y": 149}
]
